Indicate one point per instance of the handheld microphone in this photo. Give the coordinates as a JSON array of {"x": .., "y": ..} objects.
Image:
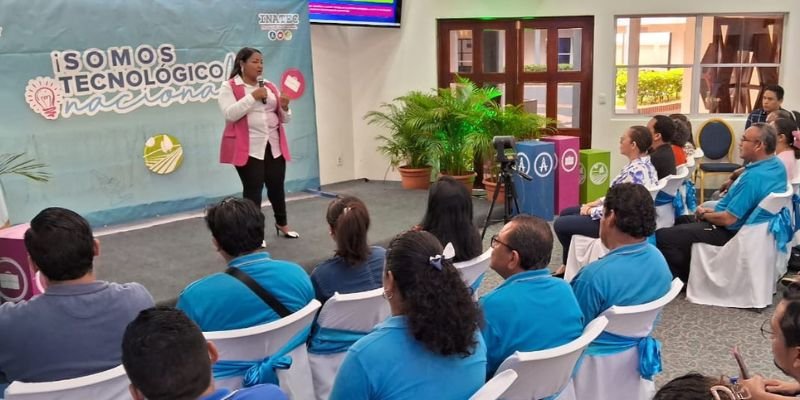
[{"x": 261, "y": 85}]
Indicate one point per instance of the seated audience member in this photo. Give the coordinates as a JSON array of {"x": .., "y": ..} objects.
[
  {"x": 663, "y": 152},
  {"x": 166, "y": 357},
  {"x": 585, "y": 220},
  {"x": 784, "y": 148},
  {"x": 449, "y": 217},
  {"x": 223, "y": 301},
  {"x": 521, "y": 254},
  {"x": 356, "y": 267},
  {"x": 430, "y": 348},
  {"x": 764, "y": 174},
  {"x": 779, "y": 114},
  {"x": 683, "y": 133},
  {"x": 75, "y": 327},
  {"x": 693, "y": 386},
  {"x": 771, "y": 100},
  {"x": 633, "y": 272},
  {"x": 783, "y": 329}
]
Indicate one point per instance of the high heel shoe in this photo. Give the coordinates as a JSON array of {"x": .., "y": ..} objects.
[{"x": 288, "y": 234}]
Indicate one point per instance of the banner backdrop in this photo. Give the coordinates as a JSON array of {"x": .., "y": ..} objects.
[{"x": 119, "y": 99}]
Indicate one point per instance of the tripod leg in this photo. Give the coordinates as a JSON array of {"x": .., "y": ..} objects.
[{"x": 491, "y": 207}]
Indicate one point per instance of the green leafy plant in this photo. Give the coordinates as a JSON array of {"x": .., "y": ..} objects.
[
  {"x": 655, "y": 87},
  {"x": 406, "y": 146},
  {"x": 29, "y": 168},
  {"x": 543, "y": 67}
]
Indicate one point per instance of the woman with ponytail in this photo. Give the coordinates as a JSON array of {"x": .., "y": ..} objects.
[
  {"x": 785, "y": 148},
  {"x": 355, "y": 266},
  {"x": 430, "y": 348}
]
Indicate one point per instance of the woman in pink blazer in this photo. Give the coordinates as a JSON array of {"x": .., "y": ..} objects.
[{"x": 254, "y": 140}]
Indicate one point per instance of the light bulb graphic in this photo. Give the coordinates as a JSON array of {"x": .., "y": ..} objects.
[{"x": 44, "y": 97}]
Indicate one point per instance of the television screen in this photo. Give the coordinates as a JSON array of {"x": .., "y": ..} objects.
[{"x": 355, "y": 12}]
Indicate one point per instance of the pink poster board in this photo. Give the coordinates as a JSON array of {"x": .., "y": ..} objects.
[
  {"x": 17, "y": 279},
  {"x": 567, "y": 172}
]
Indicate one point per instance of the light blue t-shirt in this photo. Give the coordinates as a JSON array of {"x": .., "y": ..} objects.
[
  {"x": 530, "y": 311},
  {"x": 220, "y": 302},
  {"x": 337, "y": 275},
  {"x": 258, "y": 392},
  {"x": 759, "y": 179},
  {"x": 628, "y": 275},
  {"x": 389, "y": 364}
]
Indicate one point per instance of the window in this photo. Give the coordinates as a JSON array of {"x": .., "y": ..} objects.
[{"x": 661, "y": 70}]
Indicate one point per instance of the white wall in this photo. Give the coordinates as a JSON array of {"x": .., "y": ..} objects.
[{"x": 368, "y": 66}]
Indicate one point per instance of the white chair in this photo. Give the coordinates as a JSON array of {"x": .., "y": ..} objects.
[
  {"x": 582, "y": 251},
  {"x": 496, "y": 386},
  {"x": 796, "y": 181},
  {"x": 742, "y": 273},
  {"x": 665, "y": 209},
  {"x": 353, "y": 313},
  {"x": 472, "y": 271},
  {"x": 617, "y": 376},
  {"x": 260, "y": 341},
  {"x": 662, "y": 183},
  {"x": 545, "y": 373},
  {"x": 111, "y": 384}
]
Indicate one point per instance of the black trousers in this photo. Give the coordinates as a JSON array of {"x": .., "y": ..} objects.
[
  {"x": 270, "y": 172},
  {"x": 676, "y": 243},
  {"x": 571, "y": 222}
]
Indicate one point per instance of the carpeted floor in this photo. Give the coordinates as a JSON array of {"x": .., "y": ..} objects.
[{"x": 167, "y": 257}]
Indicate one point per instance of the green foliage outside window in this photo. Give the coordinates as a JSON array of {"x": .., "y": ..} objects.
[{"x": 655, "y": 87}]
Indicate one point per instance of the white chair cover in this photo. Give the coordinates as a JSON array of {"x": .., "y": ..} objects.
[
  {"x": 742, "y": 273},
  {"x": 111, "y": 384},
  {"x": 616, "y": 376},
  {"x": 665, "y": 213},
  {"x": 582, "y": 251},
  {"x": 545, "y": 373},
  {"x": 356, "y": 312},
  {"x": 472, "y": 271},
  {"x": 260, "y": 341},
  {"x": 496, "y": 386},
  {"x": 795, "y": 182}
]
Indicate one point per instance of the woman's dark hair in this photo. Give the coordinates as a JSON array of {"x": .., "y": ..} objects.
[
  {"x": 349, "y": 222},
  {"x": 237, "y": 225},
  {"x": 642, "y": 137},
  {"x": 633, "y": 208},
  {"x": 683, "y": 130},
  {"x": 692, "y": 386},
  {"x": 785, "y": 127},
  {"x": 242, "y": 56},
  {"x": 438, "y": 305},
  {"x": 449, "y": 218}
]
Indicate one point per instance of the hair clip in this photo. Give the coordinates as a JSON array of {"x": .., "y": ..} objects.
[
  {"x": 448, "y": 253},
  {"x": 796, "y": 141},
  {"x": 345, "y": 210}
]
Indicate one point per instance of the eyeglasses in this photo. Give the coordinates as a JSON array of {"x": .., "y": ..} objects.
[
  {"x": 495, "y": 241},
  {"x": 745, "y": 139},
  {"x": 766, "y": 330}
]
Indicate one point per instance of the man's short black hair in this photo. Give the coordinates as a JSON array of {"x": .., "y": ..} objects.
[
  {"x": 665, "y": 126},
  {"x": 777, "y": 89},
  {"x": 692, "y": 386},
  {"x": 61, "y": 244},
  {"x": 165, "y": 355},
  {"x": 237, "y": 225},
  {"x": 633, "y": 208},
  {"x": 532, "y": 238},
  {"x": 790, "y": 320}
]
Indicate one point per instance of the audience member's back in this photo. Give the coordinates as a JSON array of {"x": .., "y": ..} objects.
[
  {"x": 76, "y": 326},
  {"x": 221, "y": 301},
  {"x": 449, "y": 218},
  {"x": 356, "y": 267}
]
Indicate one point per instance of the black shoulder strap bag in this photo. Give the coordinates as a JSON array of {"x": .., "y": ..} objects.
[{"x": 268, "y": 298}]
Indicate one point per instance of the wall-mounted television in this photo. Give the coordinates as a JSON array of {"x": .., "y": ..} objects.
[{"x": 355, "y": 12}]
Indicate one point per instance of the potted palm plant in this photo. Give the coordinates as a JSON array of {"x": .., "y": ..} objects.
[
  {"x": 408, "y": 149},
  {"x": 15, "y": 164}
]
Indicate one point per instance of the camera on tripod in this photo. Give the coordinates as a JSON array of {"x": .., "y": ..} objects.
[{"x": 504, "y": 146}]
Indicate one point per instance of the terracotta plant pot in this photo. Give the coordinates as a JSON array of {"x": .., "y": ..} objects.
[
  {"x": 415, "y": 178},
  {"x": 490, "y": 185},
  {"x": 467, "y": 180}
]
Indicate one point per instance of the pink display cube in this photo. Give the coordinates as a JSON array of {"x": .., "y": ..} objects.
[
  {"x": 17, "y": 279},
  {"x": 568, "y": 173}
]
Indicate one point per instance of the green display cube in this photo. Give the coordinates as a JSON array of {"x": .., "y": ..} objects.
[{"x": 595, "y": 174}]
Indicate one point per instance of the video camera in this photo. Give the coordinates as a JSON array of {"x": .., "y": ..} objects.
[{"x": 504, "y": 146}]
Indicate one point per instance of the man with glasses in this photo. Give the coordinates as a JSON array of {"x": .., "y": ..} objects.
[
  {"x": 764, "y": 174},
  {"x": 783, "y": 329},
  {"x": 531, "y": 310}
]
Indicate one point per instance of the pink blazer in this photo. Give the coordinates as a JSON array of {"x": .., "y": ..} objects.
[{"x": 235, "y": 146}]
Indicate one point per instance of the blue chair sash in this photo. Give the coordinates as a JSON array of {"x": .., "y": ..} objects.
[
  {"x": 691, "y": 195},
  {"x": 796, "y": 209},
  {"x": 261, "y": 371},
  {"x": 475, "y": 285},
  {"x": 332, "y": 341},
  {"x": 663, "y": 198},
  {"x": 780, "y": 225},
  {"x": 648, "y": 347}
]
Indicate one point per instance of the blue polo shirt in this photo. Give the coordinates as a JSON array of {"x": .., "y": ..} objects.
[
  {"x": 220, "y": 302},
  {"x": 390, "y": 364},
  {"x": 337, "y": 275},
  {"x": 530, "y": 311},
  {"x": 760, "y": 178},
  {"x": 628, "y": 275},
  {"x": 258, "y": 392}
]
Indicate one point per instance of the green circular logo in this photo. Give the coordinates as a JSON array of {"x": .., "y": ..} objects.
[{"x": 163, "y": 154}]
